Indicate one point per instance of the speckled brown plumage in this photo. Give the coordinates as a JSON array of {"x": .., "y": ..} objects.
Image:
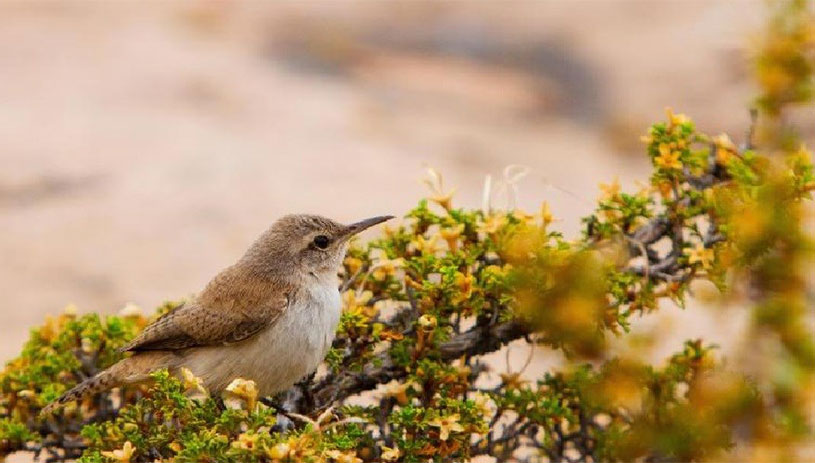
[
  {"x": 235, "y": 305},
  {"x": 269, "y": 317}
]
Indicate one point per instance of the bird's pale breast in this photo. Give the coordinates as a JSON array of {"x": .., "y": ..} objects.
[{"x": 282, "y": 354}]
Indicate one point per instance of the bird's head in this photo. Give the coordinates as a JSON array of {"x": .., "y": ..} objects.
[{"x": 305, "y": 244}]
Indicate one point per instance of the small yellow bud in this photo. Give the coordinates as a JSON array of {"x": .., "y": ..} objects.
[
  {"x": 130, "y": 310},
  {"x": 428, "y": 321},
  {"x": 70, "y": 310},
  {"x": 279, "y": 451}
]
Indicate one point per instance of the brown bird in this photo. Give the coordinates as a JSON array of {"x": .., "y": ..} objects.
[{"x": 271, "y": 317}]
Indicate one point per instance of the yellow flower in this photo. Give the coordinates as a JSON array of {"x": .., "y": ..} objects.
[
  {"x": 645, "y": 190},
  {"x": 512, "y": 380},
  {"x": 344, "y": 457},
  {"x": 444, "y": 200},
  {"x": 446, "y": 425},
  {"x": 483, "y": 403},
  {"x": 802, "y": 155},
  {"x": 665, "y": 189},
  {"x": 676, "y": 119},
  {"x": 723, "y": 141},
  {"x": 464, "y": 284},
  {"x": 87, "y": 345},
  {"x": 279, "y": 451},
  {"x": 49, "y": 329},
  {"x": 246, "y": 441},
  {"x": 122, "y": 455},
  {"x": 435, "y": 182},
  {"x": 428, "y": 321},
  {"x": 387, "y": 230},
  {"x": 451, "y": 235},
  {"x": 130, "y": 310},
  {"x": 358, "y": 303},
  {"x": 610, "y": 190},
  {"x": 463, "y": 372},
  {"x": 700, "y": 255},
  {"x": 396, "y": 390},
  {"x": 239, "y": 391},
  {"x": 70, "y": 310},
  {"x": 523, "y": 216},
  {"x": 492, "y": 272},
  {"x": 492, "y": 224},
  {"x": 390, "y": 453},
  {"x": 668, "y": 159},
  {"x": 426, "y": 246},
  {"x": 353, "y": 264},
  {"x": 725, "y": 148},
  {"x": 386, "y": 267},
  {"x": 612, "y": 214},
  {"x": 193, "y": 385},
  {"x": 546, "y": 214}
]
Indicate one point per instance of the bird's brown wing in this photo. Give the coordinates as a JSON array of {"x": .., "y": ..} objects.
[{"x": 229, "y": 310}]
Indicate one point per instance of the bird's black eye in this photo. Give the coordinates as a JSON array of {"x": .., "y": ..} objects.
[{"x": 321, "y": 241}]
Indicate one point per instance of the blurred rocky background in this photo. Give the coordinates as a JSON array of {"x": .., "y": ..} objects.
[{"x": 144, "y": 146}]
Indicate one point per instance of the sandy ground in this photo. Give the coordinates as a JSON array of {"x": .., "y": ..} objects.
[{"x": 144, "y": 146}]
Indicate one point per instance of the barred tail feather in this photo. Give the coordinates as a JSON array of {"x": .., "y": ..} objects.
[
  {"x": 98, "y": 383},
  {"x": 130, "y": 370}
]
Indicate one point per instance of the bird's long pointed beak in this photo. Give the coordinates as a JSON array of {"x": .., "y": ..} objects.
[{"x": 357, "y": 227}]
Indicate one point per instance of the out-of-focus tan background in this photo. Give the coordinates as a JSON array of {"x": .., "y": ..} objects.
[{"x": 144, "y": 146}]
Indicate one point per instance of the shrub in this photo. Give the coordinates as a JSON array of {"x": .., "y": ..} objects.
[{"x": 406, "y": 379}]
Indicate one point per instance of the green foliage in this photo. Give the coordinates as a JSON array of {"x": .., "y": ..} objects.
[
  {"x": 448, "y": 273},
  {"x": 784, "y": 64},
  {"x": 169, "y": 423},
  {"x": 406, "y": 378},
  {"x": 49, "y": 363}
]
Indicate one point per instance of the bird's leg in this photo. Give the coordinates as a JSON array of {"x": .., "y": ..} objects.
[
  {"x": 282, "y": 424},
  {"x": 283, "y": 403},
  {"x": 308, "y": 397},
  {"x": 219, "y": 402}
]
